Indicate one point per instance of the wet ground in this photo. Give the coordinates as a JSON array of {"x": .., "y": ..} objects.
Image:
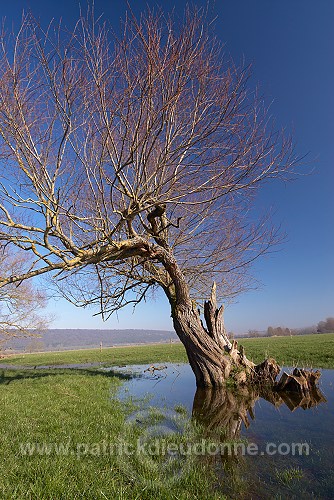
[
  {"x": 286, "y": 448},
  {"x": 268, "y": 445}
]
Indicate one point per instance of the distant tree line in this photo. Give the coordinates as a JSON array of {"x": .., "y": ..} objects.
[
  {"x": 279, "y": 331},
  {"x": 326, "y": 326}
]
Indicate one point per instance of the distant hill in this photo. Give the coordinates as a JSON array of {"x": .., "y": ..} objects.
[{"x": 58, "y": 339}]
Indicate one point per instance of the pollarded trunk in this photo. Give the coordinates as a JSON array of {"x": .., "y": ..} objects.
[
  {"x": 212, "y": 356},
  {"x": 207, "y": 359}
]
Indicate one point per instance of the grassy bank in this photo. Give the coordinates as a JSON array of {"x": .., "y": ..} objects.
[
  {"x": 59, "y": 435},
  {"x": 309, "y": 351},
  {"x": 59, "y": 428}
]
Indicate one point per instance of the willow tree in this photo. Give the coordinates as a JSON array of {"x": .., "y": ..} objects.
[
  {"x": 132, "y": 162},
  {"x": 20, "y": 306}
]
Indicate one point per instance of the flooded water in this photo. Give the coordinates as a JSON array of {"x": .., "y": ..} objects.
[{"x": 285, "y": 445}]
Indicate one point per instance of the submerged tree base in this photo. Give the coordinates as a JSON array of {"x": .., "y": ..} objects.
[
  {"x": 301, "y": 382},
  {"x": 216, "y": 360},
  {"x": 224, "y": 410}
]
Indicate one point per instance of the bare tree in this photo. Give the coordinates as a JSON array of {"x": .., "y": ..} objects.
[
  {"x": 20, "y": 303},
  {"x": 253, "y": 333},
  {"x": 326, "y": 326},
  {"x": 130, "y": 163}
]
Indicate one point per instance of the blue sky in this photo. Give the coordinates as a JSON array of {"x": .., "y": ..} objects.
[{"x": 290, "y": 44}]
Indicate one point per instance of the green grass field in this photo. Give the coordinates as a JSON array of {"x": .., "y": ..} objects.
[
  {"x": 312, "y": 351},
  {"x": 57, "y": 425},
  {"x": 57, "y": 432},
  {"x": 113, "y": 356},
  {"x": 315, "y": 351}
]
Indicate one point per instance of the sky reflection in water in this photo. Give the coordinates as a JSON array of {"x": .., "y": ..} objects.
[{"x": 263, "y": 475}]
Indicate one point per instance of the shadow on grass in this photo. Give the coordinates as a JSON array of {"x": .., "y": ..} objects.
[{"x": 12, "y": 374}]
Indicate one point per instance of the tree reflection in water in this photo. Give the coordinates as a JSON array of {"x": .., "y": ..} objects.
[
  {"x": 224, "y": 410},
  {"x": 221, "y": 413}
]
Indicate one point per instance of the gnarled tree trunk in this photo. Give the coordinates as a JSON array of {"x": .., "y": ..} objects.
[{"x": 212, "y": 356}]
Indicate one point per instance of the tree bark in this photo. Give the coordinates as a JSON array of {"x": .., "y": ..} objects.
[
  {"x": 212, "y": 356},
  {"x": 207, "y": 359}
]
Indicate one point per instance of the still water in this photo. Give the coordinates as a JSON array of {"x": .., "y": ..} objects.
[{"x": 287, "y": 449}]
